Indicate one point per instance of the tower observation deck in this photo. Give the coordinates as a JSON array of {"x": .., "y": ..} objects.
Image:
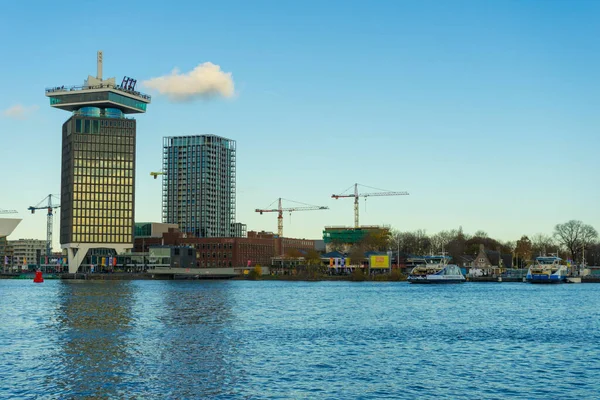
[{"x": 100, "y": 98}]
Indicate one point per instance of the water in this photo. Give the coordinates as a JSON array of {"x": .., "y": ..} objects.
[{"x": 324, "y": 340}]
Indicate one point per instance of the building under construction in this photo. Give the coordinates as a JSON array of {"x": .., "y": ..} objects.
[{"x": 342, "y": 237}]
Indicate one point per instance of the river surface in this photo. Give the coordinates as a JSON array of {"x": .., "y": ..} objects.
[{"x": 298, "y": 340}]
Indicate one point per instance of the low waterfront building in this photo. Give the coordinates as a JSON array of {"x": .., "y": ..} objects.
[
  {"x": 27, "y": 251},
  {"x": 256, "y": 249},
  {"x": 172, "y": 257},
  {"x": 7, "y": 226},
  {"x": 490, "y": 262}
]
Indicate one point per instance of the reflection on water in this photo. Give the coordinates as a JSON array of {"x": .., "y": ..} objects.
[
  {"x": 331, "y": 340},
  {"x": 95, "y": 325},
  {"x": 118, "y": 334},
  {"x": 189, "y": 337}
]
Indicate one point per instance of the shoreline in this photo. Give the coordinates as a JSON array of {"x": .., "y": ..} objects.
[{"x": 125, "y": 276}]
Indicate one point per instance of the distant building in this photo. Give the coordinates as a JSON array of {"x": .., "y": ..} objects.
[
  {"x": 284, "y": 244},
  {"x": 490, "y": 262},
  {"x": 27, "y": 251},
  {"x": 7, "y": 226},
  {"x": 5, "y": 254},
  {"x": 199, "y": 190},
  {"x": 240, "y": 230},
  {"x": 152, "y": 229}
]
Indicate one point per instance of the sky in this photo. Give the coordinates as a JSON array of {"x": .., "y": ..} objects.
[{"x": 485, "y": 112}]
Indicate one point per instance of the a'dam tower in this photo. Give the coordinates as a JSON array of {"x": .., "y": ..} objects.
[{"x": 98, "y": 164}]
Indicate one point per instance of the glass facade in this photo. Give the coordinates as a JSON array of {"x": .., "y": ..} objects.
[
  {"x": 97, "y": 98},
  {"x": 143, "y": 229},
  {"x": 199, "y": 184},
  {"x": 98, "y": 180},
  {"x": 128, "y": 101}
]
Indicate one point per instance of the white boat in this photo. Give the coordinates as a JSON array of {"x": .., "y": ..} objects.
[
  {"x": 547, "y": 269},
  {"x": 436, "y": 269}
]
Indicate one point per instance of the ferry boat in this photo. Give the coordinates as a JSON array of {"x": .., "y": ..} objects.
[
  {"x": 436, "y": 269},
  {"x": 547, "y": 269}
]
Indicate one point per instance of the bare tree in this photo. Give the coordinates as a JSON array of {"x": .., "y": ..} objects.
[
  {"x": 439, "y": 241},
  {"x": 416, "y": 242},
  {"x": 574, "y": 235},
  {"x": 542, "y": 244}
]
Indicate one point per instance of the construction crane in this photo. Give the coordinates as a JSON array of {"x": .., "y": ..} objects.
[
  {"x": 280, "y": 210},
  {"x": 8, "y": 211},
  {"x": 50, "y": 206},
  {"x": 356, "y": 195},
  {"x": 155, "y": 174}
]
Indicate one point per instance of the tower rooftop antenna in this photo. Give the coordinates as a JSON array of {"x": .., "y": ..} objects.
[{"x": 99, "y": 66}]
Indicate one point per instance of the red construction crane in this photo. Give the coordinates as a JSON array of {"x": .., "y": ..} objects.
[
  {"x": 280, "y": 210},
  {"x": 356, "y": 195}
]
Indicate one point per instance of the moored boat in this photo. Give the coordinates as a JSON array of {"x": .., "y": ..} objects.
[
  {"x": 436, "y": 269},
  {"x": 547, "y": 269}
]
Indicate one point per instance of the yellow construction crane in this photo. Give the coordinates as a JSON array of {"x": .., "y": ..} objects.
[
  {"x": 155, "y": 174},
  {"x": 280, "y": 210},
  {"x": 356, "y": 195}
]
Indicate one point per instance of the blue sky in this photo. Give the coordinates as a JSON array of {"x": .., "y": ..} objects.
[{"x": 486, "y": 112}]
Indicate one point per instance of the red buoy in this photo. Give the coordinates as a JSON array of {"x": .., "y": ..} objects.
[{"x": 38, "y": 277}]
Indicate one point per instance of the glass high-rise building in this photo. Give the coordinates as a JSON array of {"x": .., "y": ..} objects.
[
  {"x": 98, "y": 164},
  {"x": 199, "y": 185}
]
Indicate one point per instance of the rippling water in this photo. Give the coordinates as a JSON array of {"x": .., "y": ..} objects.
[{"x": 325, "y": 340}]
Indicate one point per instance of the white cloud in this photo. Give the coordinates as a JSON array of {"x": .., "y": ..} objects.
[
  {"x": 205, "y": 81},
  {"x": 18, "y": 111}
]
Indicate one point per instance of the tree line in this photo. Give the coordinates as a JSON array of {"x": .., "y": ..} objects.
[{"x": 572, "y": 240}]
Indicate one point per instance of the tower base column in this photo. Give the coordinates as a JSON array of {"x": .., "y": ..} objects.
[{"x": 77, "y": 251}]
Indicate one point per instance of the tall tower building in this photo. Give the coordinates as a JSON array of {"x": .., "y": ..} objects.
[
  {"x": 199, "y": 185},
  {"x": 98, "y": 164}
]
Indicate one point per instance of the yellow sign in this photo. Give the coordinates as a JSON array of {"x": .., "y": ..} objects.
[{"x": 380, "y": 262}]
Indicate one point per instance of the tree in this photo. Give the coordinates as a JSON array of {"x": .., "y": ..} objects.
[
  {"x": 523, "y": 250},
  {"x": 293, "y": 253},
  {"x": 255, "y": 273},
  {"x": 376, "y": 241},
  {"x": 439, "y": 241},
  {"x": 480, "y": 234},
  {"x": 313, "y": 258},
  {"x": 542, "y": 244},
  {"x": 417, "y": 242},
  {"x": 592, "y": 254},
  {"x": 575, "y": 235},
  {"x": 357, "y": 254}
]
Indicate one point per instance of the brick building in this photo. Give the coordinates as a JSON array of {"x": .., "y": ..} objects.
[{"x": 257, "y": 248}]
